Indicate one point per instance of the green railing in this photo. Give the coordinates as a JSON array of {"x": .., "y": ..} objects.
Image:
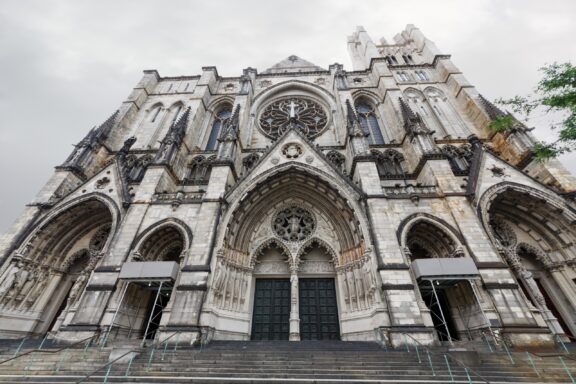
[
  {"x": 150, "y": 349},
  {"x": 446, "y": 357},
  {"x": 30, "y": 353}
]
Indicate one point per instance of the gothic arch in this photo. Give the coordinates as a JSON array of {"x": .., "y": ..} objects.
[
  {"x": 66, "y": 207},
  {"x": 446, "y": 235},
  {"x": 389, "y": 163},
  {"x": 272, "y": 241},
  {"x": 219, "y": 102},
  {"x": 172, "y": 222},
  {"x": 541, "y": 257},
  {"x": 429, "y": 92},
  {"x": 153, "y": 111},
  {"x": 322, "y": 244},
  {"x": 251, "y": 201},
  {"x": 221, "y": 112},
  {"x": 552, "y": 213},
  {"x": 39, "y": 272},
  {"x": 363, "y": 94}
]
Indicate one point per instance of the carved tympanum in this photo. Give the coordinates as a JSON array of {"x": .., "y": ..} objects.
[{"x": 293, "y": 224}]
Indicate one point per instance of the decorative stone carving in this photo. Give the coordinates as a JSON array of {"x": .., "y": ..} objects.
[
  {"x": 305, "y": 115},
  {"x": 292, "y": 151},
  {"x": 293, "y": 224},
  {"x": 503, "y": 232},
  {"x": 498, "y": 171},
  {"x": 102, "y": 183},
  {"x": 98, "y": 241}
]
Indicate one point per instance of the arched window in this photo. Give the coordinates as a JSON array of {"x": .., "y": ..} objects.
[
  {"x": 369, "y": 122},
  {"x": 154, "y": 113},
  {"x": 337, "y": 159},
  {"x": 389, "y": 163},
  {"x": 176, "y": 114},
  {"x": 219, "y": 120},
  {"x": 459, "y": 158},
  {"x": 136, "y": 167},
  {"x": 200, "y": 168}
]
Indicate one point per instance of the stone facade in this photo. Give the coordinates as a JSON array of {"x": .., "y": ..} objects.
[{"x": 294, "y": 173}]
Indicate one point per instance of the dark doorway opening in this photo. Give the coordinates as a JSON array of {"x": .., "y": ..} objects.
[
  {"x": 437, "y": 308},
  {"x": 156, "y": 304}
]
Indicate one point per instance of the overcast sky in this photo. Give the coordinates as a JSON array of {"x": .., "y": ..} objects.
[{"x": 67, "y": 65}]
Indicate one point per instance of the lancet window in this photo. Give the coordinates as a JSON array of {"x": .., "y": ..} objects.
[
  {"x": 219, "y": 120},
  {"x": 389, "y": 163},
  {"x": 200, "y": 169},
  {"x": 460, "y": 158},
  {"x": 369, "y": 122}
]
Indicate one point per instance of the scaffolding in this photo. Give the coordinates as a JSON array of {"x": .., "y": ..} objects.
[
  {"x": 446, "y": 272},
  {"x": 156, "y": 276}
]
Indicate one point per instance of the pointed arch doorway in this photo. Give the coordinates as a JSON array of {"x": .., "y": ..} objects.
[{"x": 295, "y": 301}]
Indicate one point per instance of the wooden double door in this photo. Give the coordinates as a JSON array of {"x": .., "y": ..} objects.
[{"x": 317, "y": 308}]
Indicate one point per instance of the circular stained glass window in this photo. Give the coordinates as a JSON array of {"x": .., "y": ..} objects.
[
  {"x": 305, "y": 115},
  {"x": 293, "y": 224}
]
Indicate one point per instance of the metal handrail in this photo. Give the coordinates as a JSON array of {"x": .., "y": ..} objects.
[
  {"x": 140, "y": 350},
  {"x": 451, "y": 357},
  {"x": 49, "y": 350},
  {"x": 542, "y": 356}
]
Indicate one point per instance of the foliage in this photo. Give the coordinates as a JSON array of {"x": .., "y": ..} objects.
[{"x": 556, "y": 91}]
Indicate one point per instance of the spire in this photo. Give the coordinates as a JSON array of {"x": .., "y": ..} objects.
[
  {"x": 413, "y": 123},
  {"x": 103, "y": 131},
  {"x": 81, "y": 154},
  {"x": 230, "y": 130},
  {"x": 173, "y": 139},
  {"x": 492, "y": 110},
  {"x": 352, "y": 122},
  {"x": 415, "y": 128}
]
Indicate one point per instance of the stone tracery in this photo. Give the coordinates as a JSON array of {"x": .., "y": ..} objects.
[
  {"x": 293, "y": 223},
  {"x": 299, "y": 113}
]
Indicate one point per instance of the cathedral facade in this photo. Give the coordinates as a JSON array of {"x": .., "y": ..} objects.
[{"x": 300, "y": 203}]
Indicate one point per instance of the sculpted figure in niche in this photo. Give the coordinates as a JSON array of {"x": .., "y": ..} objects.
[
  {"x": 9, "y": 278},
  {"x": 77, "y": 288},
  {"x": 37, "y": 290}
]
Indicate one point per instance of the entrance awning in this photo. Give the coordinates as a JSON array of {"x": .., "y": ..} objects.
[
  {"x": 149, "y": 271},
  {"x": 446, "y": 271}
]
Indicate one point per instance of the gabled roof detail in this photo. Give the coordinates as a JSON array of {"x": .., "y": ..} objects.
[
  {"x": 311, "y": 157},
  {"x": 293, "y": 64}
]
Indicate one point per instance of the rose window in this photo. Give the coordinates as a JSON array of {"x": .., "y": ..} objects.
[
  {"x": 302, "y": 114},
  {"x": 293, "y": 224}
]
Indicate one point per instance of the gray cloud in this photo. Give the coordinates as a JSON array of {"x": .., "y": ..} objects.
[{"x": 66, "y": 65}]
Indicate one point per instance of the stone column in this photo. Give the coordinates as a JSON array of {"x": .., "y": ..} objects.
[
  {"x": 294, "y": 308},
  {"x": 533, "y": 290},
  {"x": 559, "y": 275}
]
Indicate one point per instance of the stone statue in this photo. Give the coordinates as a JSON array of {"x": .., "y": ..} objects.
[
  {"x": 77, "y": 288},
  {"x": 9, "y": 278}
]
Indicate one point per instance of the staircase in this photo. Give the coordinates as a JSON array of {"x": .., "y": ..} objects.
[{"x": 281, "y": 362}]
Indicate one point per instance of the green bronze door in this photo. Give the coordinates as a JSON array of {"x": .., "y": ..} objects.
[
  {"x": 318, "y": 310},
  {"x": 271, "y": 317}
]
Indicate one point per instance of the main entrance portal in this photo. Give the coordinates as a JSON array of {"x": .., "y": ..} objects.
[{"x": 318, "y": 310}]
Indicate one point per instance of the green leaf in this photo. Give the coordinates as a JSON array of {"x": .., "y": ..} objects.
[{"x": 502, "y": 123}]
